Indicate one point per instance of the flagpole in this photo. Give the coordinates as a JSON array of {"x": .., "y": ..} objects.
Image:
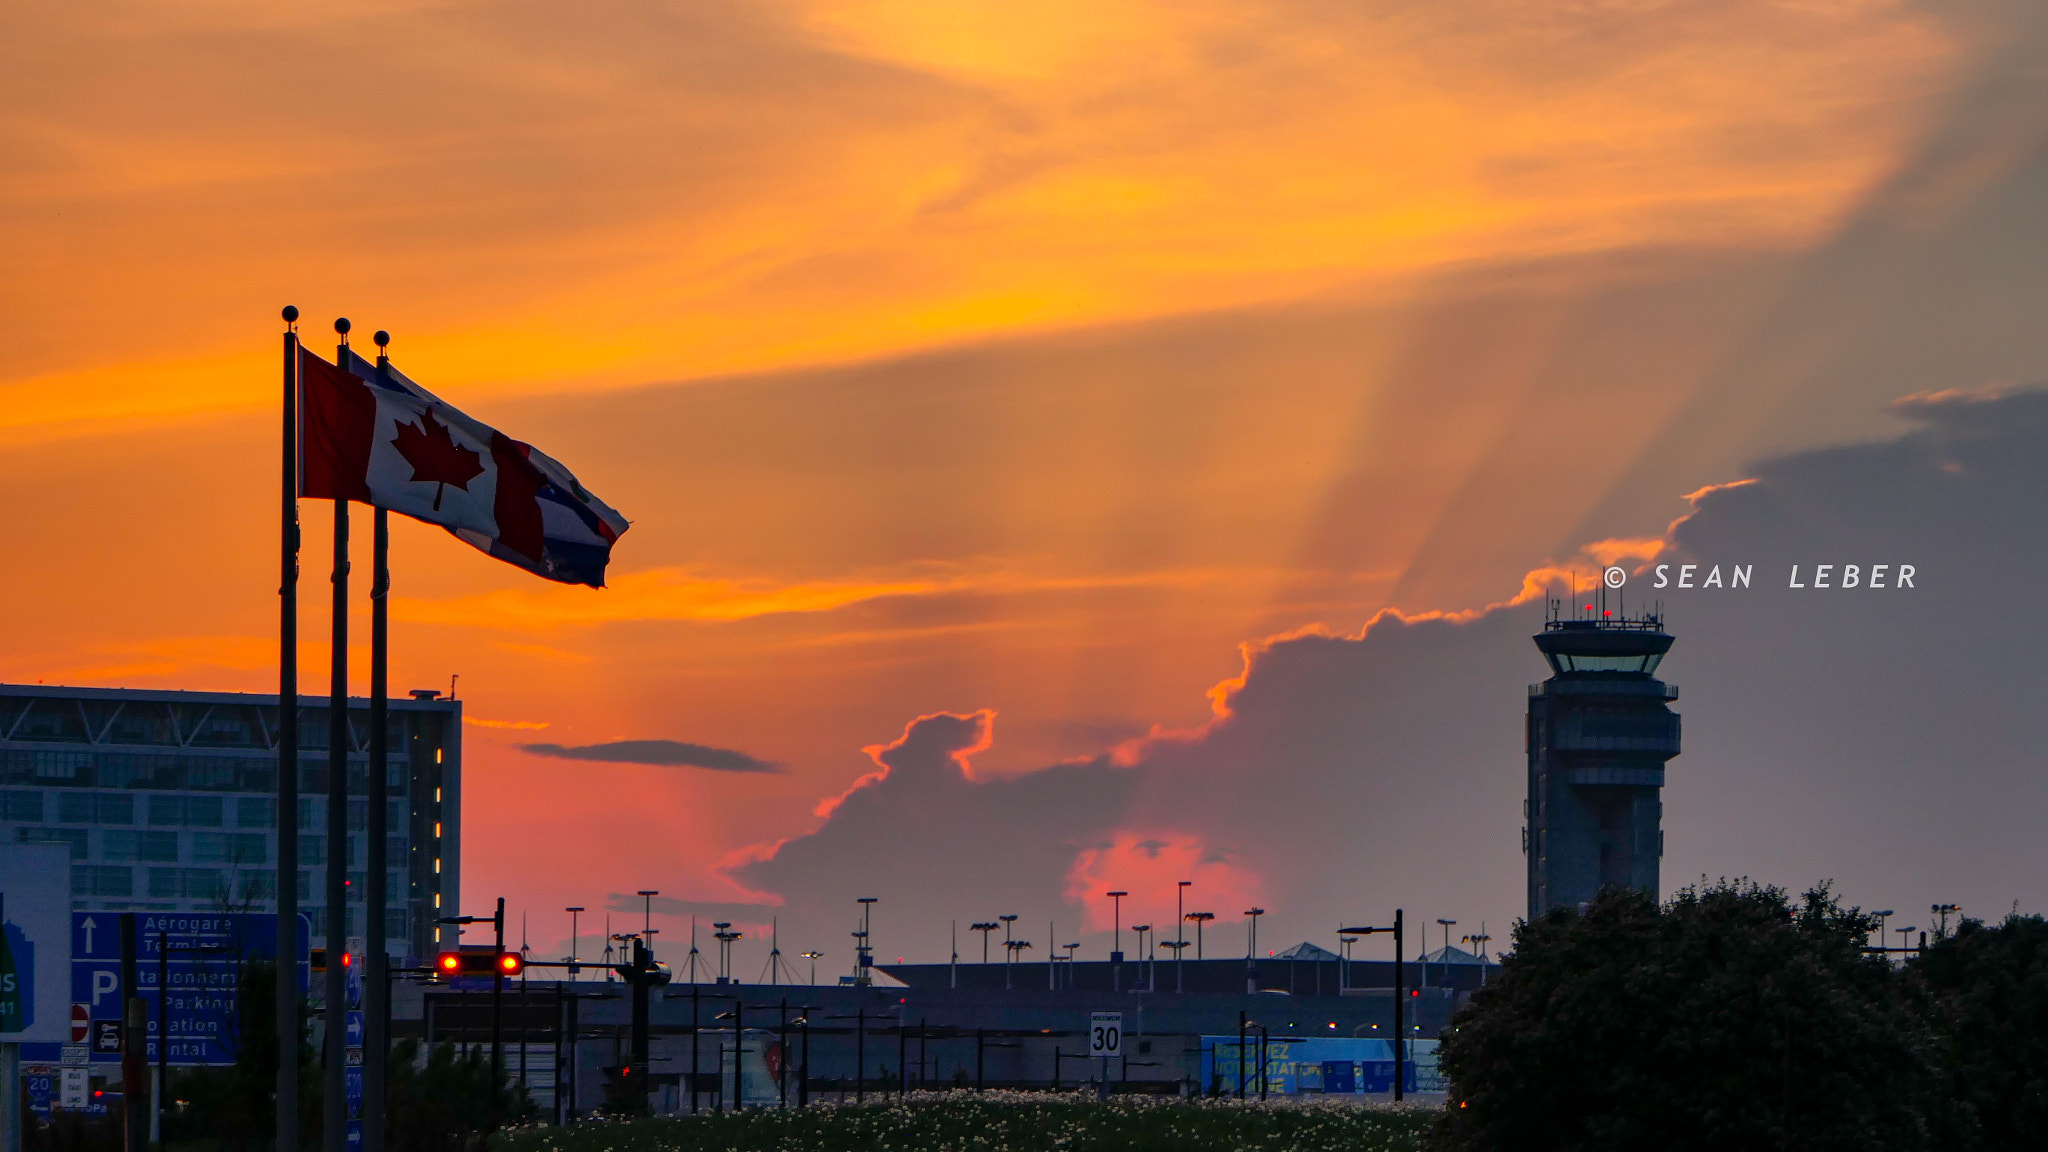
[
  {"x": 288, "y": 755},
  {"x": 334, "y": 1101},
  {"x": 376, "y": 992}
]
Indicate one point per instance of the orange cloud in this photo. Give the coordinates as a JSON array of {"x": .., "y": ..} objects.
[
  {"x": 1149, "y": 864},
  {"x": 910, "y": 174},
  {"x": 678, "y": 594}
]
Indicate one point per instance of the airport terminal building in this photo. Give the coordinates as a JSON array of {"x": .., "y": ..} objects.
[{"x": 167, "y": 801}]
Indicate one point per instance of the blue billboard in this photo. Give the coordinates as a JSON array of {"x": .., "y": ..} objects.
[{"x": 1335, "y": 1065}]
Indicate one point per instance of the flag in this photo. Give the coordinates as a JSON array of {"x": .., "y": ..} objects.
[{"x": 380, "y": 439}]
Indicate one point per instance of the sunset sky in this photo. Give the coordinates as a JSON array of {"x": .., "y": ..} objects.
[{"x": 1038, "y": 364}]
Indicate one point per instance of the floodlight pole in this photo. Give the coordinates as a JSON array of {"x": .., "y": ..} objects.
[
  {"x": 1116, "y": 946},
  {"x": 1180, "y": 966},
  {"x": 1400, "y": 1002}
]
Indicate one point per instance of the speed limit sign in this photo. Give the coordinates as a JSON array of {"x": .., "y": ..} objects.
[{"x": 1105, "y": 1033}]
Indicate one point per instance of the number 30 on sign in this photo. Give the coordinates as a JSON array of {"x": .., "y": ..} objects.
[{"x": 1105, "y": 1034}]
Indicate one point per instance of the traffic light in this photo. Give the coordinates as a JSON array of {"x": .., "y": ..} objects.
[
  {"x": 319, "y": 958},
  {"x": 480, "y": 963}
]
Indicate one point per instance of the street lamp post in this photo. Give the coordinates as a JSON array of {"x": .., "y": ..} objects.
[
  {"x": 573, "y": 913},
  {"x": 984, "y": 927},
  {"x": 1400, "y": 1005},
  {"x": 1180, "y": 968},
  {"x": 1141, "y": 929},
  {"x": 1251, "y": 951},
  {"x": 1200, "y": 918},
  {"x": 1116, "y": 940},
  {"x": 1009, "y": 953},
  {"x": 1882, "y": 915},
  {"x": 1943, "y": 911},
  {"x": 1445, "y": 956},
  {"x": 812, "y": 956}
]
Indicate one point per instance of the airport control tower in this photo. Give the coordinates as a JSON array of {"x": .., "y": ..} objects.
[{"x": 1599, "y": 734}]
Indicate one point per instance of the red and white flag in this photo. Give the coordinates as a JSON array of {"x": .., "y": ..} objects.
[{"x": 383, "y": 440}]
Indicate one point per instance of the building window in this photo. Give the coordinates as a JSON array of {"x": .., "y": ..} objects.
[
  {"x": 23, "y": 806},
  {"x": 312, "y": 849},
  {"x": 395, "y": 852},
  {"x": 75, "y": 837},
  {"x": 186, "y": 883},
  {"x": 395, "y": 926},
  {"x": 255, "y": 812},
  {"x": 101, "y": 880},
  {"x": 146, "y": 847},
  {"x": 196, "y": 811},
  {"x": 95, "y": 808},
  {"x": 230, "y": 848}
]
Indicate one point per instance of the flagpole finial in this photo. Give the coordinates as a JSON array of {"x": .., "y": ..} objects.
[
  {"x": 291, "y": 314},
  {"x": 341, "y": 327},
  {"x": 382, "y": 338}
]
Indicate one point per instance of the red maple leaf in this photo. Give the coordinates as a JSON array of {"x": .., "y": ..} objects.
[{"x": 435, "y": 456}]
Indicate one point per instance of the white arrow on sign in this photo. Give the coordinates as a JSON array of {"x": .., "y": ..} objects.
[{"x": 88, "y": 926}]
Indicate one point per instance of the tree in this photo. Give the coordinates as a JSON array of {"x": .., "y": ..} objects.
[
  {"x": 1729, "y": 1018},
  {"x": 1990, "y": 988}
]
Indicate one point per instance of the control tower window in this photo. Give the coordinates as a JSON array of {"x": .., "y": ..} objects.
[{"x": 1567, "y": 662}]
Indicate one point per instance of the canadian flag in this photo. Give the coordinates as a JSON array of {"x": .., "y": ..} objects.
[{"x": 378, "y": 438}]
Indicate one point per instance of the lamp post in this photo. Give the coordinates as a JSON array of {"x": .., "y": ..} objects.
[
  {"x": 1882, "y": 915},
  {"x": 1445, "y": 956},
  {"x": 1116, "y": 940},
  {"x": 1400, "y": 1005},
  {"x": 1905, "y": 934},
  {"x": 1478, "y": 941},
  {"x": 573, "y": 914},
  {"x": 1200, "y": 918},
  {"x": 984, "y": 927},
  {"x": 1943, "y": 911},
  {"x": 1180, "y": 968},
  {"x": 1251, "y": 951},
  {"x": 1009, "y": 953},
  {"x": 1141, "y": 929},
  {"x": 1013, "y": 947},
  {"x": 812, "y": 956}
]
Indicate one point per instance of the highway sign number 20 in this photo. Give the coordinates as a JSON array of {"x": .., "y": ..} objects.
[{"x": 1105, "y": 1033}]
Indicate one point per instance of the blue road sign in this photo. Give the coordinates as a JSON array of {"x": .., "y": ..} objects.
[
  {"x": 353, "y": 1038},
  {"x": 203, "y": 964},
  {"x": 355, "y": 1134}
]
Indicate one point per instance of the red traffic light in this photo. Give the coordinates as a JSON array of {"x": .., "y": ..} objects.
[{"x": 482, "y": 962}]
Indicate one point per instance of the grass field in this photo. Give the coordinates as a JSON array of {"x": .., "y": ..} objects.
[{"x": 1003, "y": 1122}]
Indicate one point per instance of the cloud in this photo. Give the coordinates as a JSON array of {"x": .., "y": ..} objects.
[
  {"x": 681, "y": 594},
  {"x": 521, "y": 725},
  {"x": 1346, "y": 773},
  {"x": 661, "y": 753}
]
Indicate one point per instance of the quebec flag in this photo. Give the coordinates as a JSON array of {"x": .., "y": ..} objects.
[{"x": 378, "y": 438}]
